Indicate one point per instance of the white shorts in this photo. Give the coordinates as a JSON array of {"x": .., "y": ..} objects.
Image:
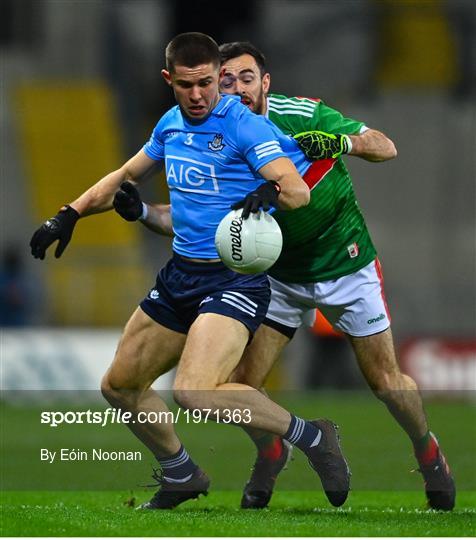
[{"x": 354, "y": 304}]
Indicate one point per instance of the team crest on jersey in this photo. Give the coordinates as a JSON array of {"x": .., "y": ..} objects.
[
  {"x": 353, "y": 250},
  {"x": 217, "y": 144}
]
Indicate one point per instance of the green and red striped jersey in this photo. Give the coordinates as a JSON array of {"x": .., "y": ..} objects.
[{"x": 328, "y": 238}]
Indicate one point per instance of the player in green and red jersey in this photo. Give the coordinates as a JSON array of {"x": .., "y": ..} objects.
[
  {"x": 328, "y": 262},
  {"x": 333, "y": 231}
]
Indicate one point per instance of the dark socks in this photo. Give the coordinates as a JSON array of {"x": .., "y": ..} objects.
[
  {"x": 426, "y": 449},
  {"x": 303, "y": 434},
  {"x": 178, "y": 467},
  {"x": 269, "y": 447}
]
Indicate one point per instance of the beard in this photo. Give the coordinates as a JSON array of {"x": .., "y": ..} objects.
[
  {"x": 258, "y": 106},
  {"x": 255, "y": 106}
]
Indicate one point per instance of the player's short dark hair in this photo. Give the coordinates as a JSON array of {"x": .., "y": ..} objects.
[
  {"x": 238, "y": 48},
  {"x": 191, "y": 49}
]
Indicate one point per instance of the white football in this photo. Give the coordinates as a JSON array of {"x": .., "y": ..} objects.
[{"x": 248, "y": 246}]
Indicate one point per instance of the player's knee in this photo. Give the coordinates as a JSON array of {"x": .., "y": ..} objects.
[
  {"x": 109, "y": 393},
  {"x": 190, "y": 399},
  {"x": 183, "y": 398},
  {"x": 117, "y": 394},
  {"x": 189, "y": 394}
]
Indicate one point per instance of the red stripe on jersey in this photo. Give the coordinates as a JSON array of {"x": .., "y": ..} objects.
[
  {"x": 317, "y": 171},
  {"x": 316, "y": 99},
  {"x": 378, "y": 269}
]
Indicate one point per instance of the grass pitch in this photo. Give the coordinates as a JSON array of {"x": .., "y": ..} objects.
[
  {"x": 290, "y": 514},
  {"x": 70, "y": 499}
]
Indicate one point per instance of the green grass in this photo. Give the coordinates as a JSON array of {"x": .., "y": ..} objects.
[
  {"x": 70, "y": 498},
  {"x": 290, "y": 514}
]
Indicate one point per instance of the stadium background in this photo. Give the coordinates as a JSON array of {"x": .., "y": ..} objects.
[{"x": 82, "y": 91}]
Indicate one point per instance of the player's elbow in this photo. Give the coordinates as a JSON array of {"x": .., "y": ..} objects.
[
  {"x": 388, "y": 151},
  {"x": 297, "y": 197},
  {"x": 386, "y": 154},
  {"x": 391, "y": 150},
  {"x": 306, "y": 195}
]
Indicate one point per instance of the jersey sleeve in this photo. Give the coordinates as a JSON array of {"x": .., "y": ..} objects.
[
  {"x": 333, "y": 121},
  {"x": 258, "y": 140},
  {"x": 154, "y": 147}
]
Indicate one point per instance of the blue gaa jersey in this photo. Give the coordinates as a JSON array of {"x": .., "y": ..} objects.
[{"x": 212, "y": 164}]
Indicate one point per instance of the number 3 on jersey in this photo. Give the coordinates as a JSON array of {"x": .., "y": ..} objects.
[{"x": 188, "y": 141}]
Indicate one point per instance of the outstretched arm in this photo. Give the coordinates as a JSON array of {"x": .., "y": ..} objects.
[
  {"x": 99, "y": 197},
  {"x": 96, "y": 199},
  {"x": 372, "y": 145}
]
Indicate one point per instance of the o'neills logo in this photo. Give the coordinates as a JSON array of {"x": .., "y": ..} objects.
[{"x": 235, "y": 234}]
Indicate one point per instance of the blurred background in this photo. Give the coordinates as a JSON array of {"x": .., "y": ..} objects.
[{"x": 82, "y": 91}]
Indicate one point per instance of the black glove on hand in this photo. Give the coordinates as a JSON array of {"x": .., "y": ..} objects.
[
  {"x": 127, "y": 202},
  {"x": 59, "y": 228},
  {"x": 264, "y": 197},
  {"x": 321, "y": 145}
]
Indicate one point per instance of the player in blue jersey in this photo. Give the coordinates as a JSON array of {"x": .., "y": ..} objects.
[
  {"x": 216, "y": 153},
  {"x": 245, "y": 74}
]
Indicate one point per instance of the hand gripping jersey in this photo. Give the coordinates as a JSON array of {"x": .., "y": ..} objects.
[
  {"x": 212, "y": 164},
  {"x": 328, "y": 238}
]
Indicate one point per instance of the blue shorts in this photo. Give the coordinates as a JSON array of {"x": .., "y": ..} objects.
[{"x": 185, "y": 289}]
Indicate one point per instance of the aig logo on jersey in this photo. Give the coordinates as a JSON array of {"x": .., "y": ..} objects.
[
  {"x": 217, "y": 143},
  {"x": 189, "y": 174}
]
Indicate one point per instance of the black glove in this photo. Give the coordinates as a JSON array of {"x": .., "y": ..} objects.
[
  {"x": 321, "y": 145},
  {"x": 59, "y": 228},
  {"x": 127, "y": 202},
  {"x": 264, "y": 197}
]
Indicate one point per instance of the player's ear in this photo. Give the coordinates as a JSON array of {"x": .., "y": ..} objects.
[
  {"x": 266, "y": 82},
  {"x": 167, "y": 77}
]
